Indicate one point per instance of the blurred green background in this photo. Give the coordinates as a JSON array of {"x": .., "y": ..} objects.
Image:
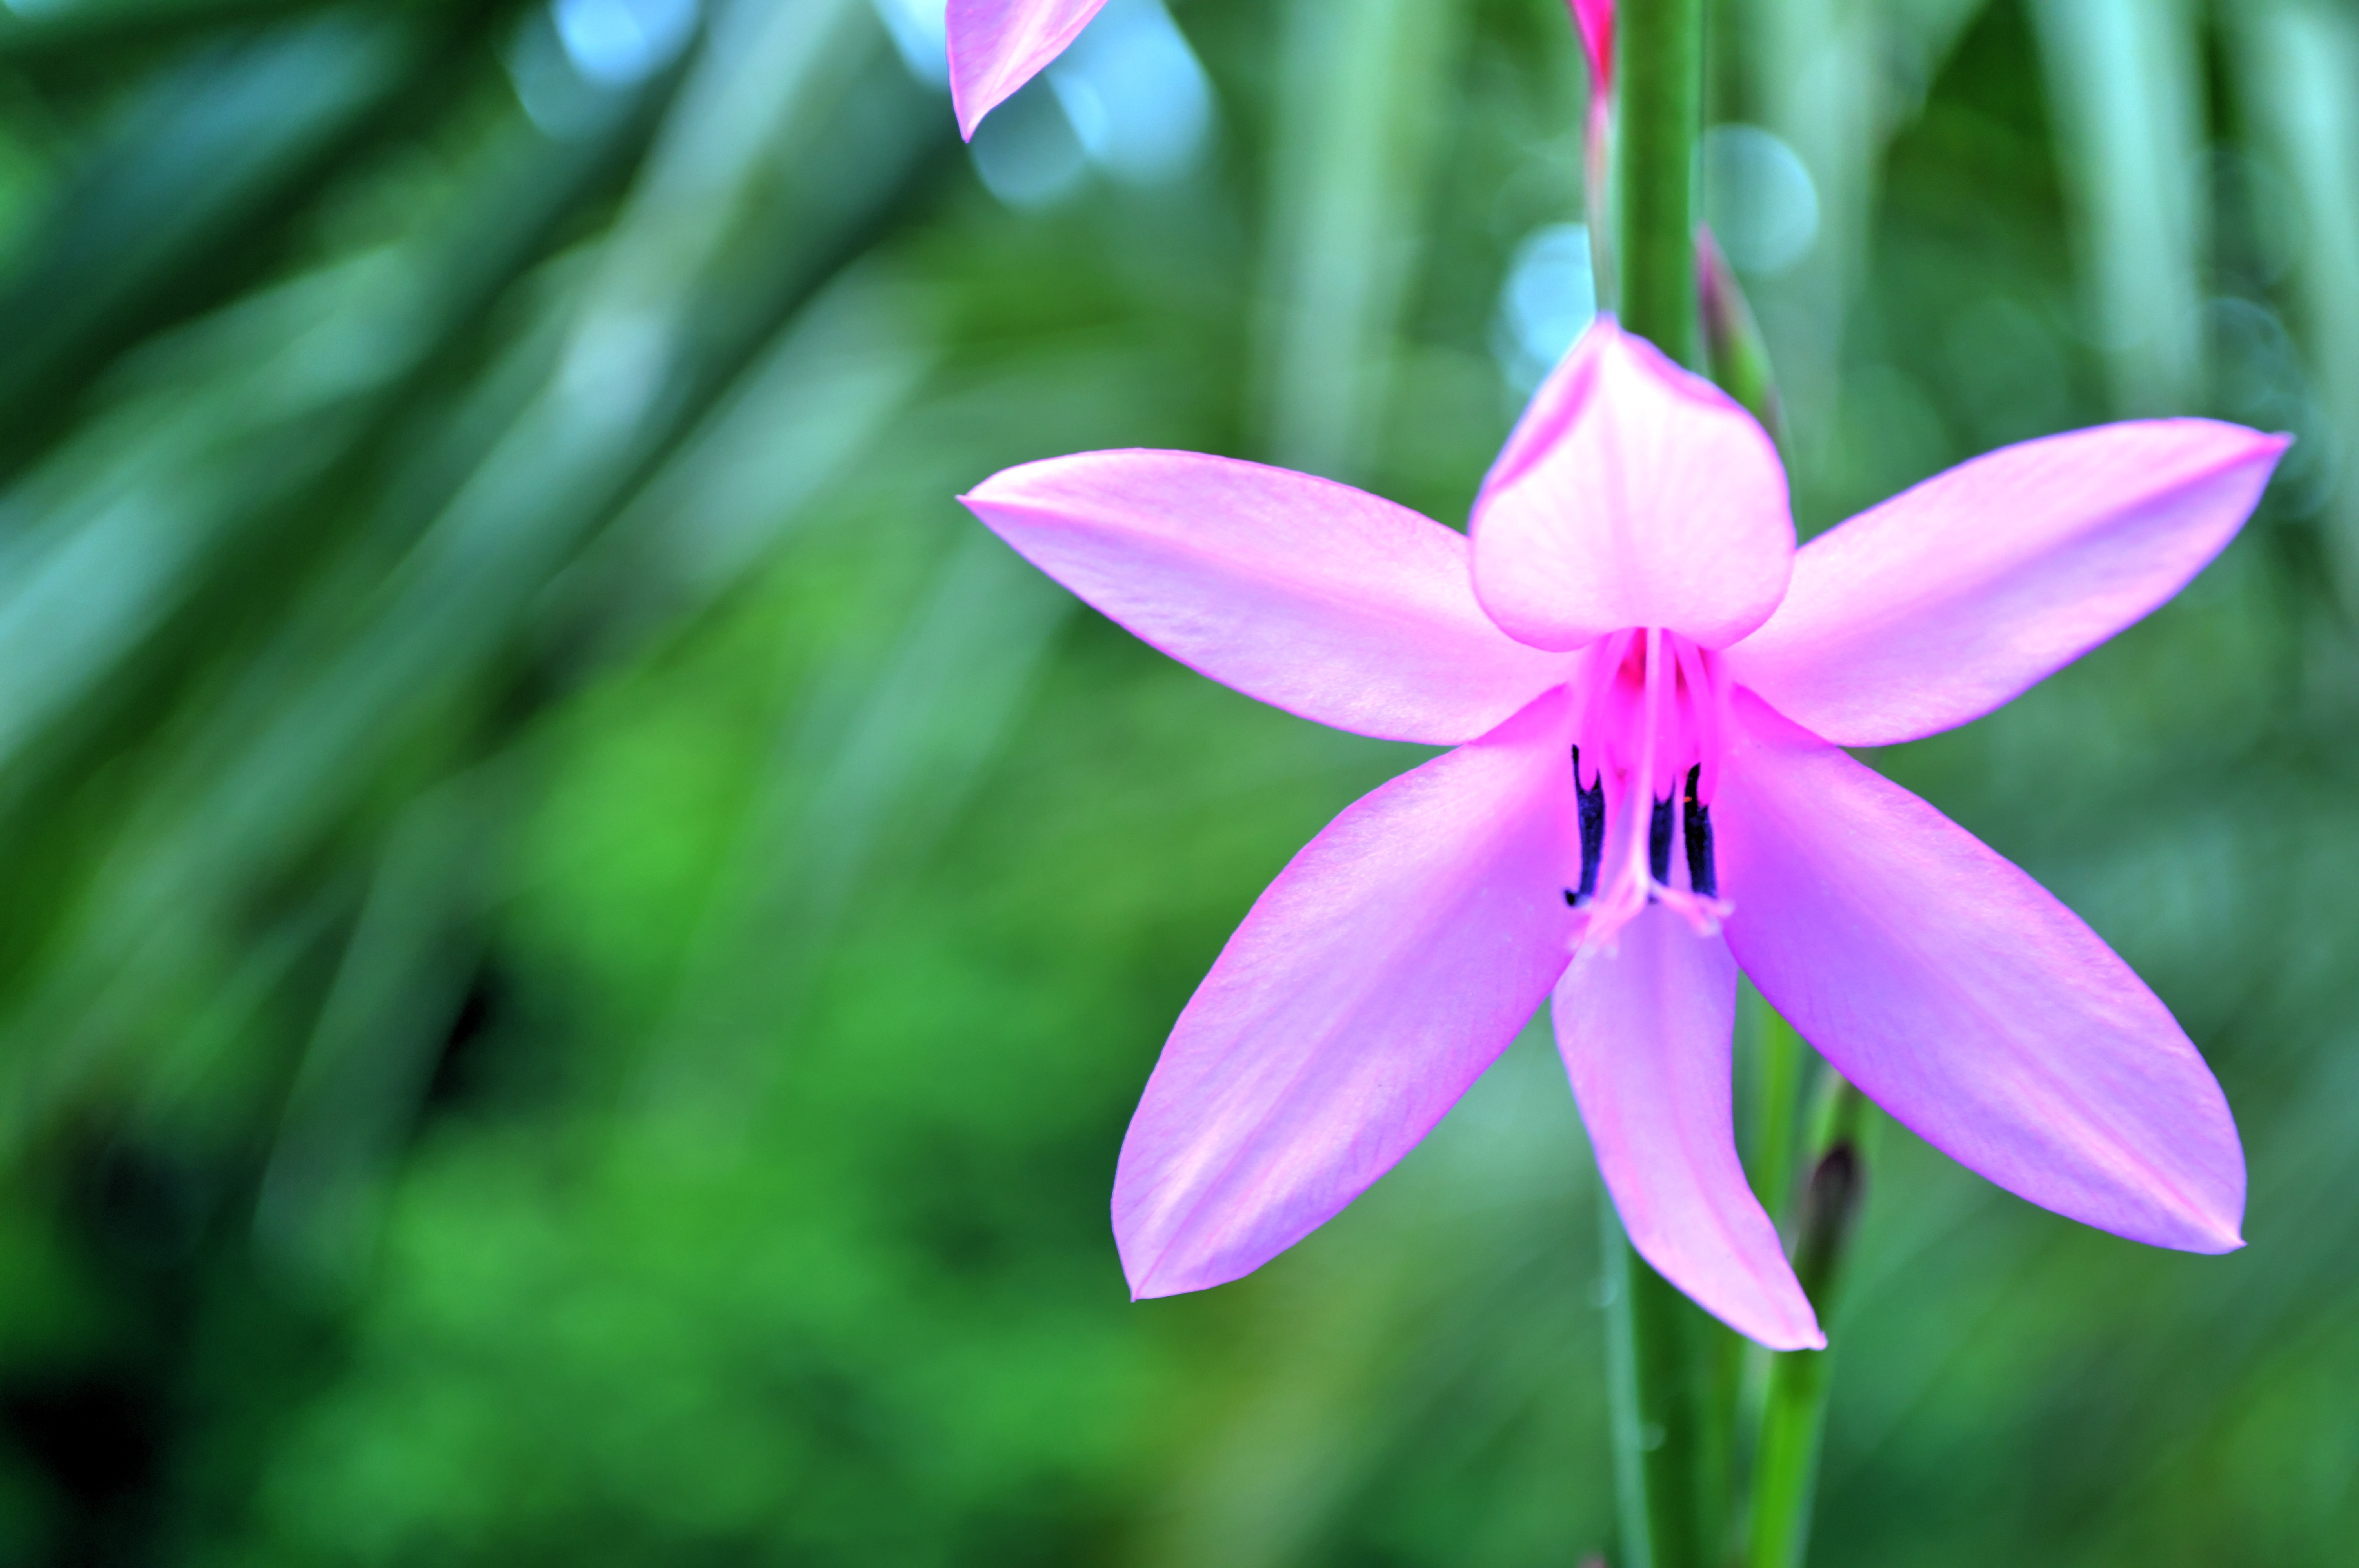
[{"x": 577, "y": 941}]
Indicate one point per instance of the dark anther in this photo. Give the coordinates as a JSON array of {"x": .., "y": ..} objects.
[
  {"x": 1593, "y": 831},
  {"x": 1703, "y": 875},
  {"x": 1658, "y": 843}
]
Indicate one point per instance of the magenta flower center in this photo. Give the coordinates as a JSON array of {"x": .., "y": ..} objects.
[{"x": 1650, "y": 709}]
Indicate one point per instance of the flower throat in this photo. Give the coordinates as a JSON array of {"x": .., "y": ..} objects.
[{"x": 1650, "y": 712}]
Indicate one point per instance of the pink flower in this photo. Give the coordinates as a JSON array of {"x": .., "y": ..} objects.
[
  {"x": 1648, "y": 687},
  {"x": 997, "y": 45},
  {"x": 1595, "y": 20}
]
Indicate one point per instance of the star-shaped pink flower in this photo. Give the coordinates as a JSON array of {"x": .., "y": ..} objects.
[{"x": 1648, "y": 688}]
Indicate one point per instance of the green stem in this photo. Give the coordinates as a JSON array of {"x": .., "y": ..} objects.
[
  {"x": 1658, "y": 115},
  {"x": 1785, "y": 1466},
  {"x": 1666, "y": 1361},
  {"x": 1673, "y": 1366},
  {"x": 1782, "y": 1065}
]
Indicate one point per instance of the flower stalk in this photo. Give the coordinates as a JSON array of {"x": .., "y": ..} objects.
[
  {"x": 1793, "y": 1417},
  {"x": 1781, "y": 1063},
  {"x": 1672, "y": 1413},
  {"x": 1657, "y": 117},
  {"x": 1674, "y": 1408}
]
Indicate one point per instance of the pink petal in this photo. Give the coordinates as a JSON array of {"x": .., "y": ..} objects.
[
  {"x": 1595, "y": 19},
  {"x": 1952, "y": 597},
  {"x": 1310, "y": 595},
  {"x": 1963, "y": 998},
  {"x": 1646, "y": 1032},
  {"x": 997, "y": 45},
  {"x": 1632, "y": 494},
  {"x": 1373, "y": 981}
]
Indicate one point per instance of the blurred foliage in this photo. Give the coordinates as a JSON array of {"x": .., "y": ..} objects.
[{"x": 579, "y": 942}]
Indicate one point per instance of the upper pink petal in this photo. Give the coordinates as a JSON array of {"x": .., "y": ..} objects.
[
  {"x": 1962, "y": 997},
  {"x": 997, "y": 45},
  {"x": 1645, "y": 1033},
  {"x": 1632, "y": 493},
  {"x": 1952, "y": 597},
  {"x": 1373, "y": 981},
  {"x": 1320, "y": 598},
  {"x": 1595, "y": 19}
]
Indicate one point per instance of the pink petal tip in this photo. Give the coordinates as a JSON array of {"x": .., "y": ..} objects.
[{"x": 997, "y": 45}]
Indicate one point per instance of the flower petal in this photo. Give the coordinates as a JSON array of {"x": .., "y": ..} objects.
[
  {"x": 1952, "y": 597},
  {"x": 1595, "y": 19},
  {"x": 997, "y": 45},
  {"x": 1320, "y": 598},
  {"x": 1632, "y": 493},
  {"x": 1962, "y": 998},
  {"x": 1373, "y": 981},
  {"x": 1646, "y": 1032}
]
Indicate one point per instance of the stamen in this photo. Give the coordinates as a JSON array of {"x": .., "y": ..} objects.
[
  {"x": 1703, "y": 875},
  {"x": 1593, "y": 830},
  {"x": 1659, "y": 842}
]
